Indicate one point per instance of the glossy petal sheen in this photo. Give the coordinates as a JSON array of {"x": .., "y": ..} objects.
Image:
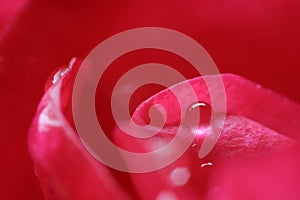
[
  {"x": 64, "y": 168},
  {"x": 67, "y": 171},
  {"x": 242, "y": 141}
]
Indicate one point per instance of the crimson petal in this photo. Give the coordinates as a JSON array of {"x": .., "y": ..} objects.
[
  {"x": 190, "y": 177},
  {"x": 64, "y": 167}
]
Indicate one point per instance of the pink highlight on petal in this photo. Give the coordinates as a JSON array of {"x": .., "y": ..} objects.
[{"x": 64, "y": 168}]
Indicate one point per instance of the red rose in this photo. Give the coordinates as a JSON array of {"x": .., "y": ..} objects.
[
  {"x": 258, "y": 40},
  {"x": 67, "y": 171}
]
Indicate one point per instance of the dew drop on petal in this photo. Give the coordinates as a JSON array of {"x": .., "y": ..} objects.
[
  {"x": 199, "y": 131},
  {"x": 198, "y": 114},
  {"x": 166, "y": 195},
  {"x": 58, "y": 75},
  {"x": 196, "y": 105},
  {"x": 208, "y": 164},
  {"x": 63, "y": 71},
  {"x": 180, "y": 176}
]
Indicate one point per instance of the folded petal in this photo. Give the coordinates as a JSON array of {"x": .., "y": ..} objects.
[
  {"x": 244, "y": 138},
  {"x": 243, "y": 98},
  {"x": 65, "y": 169}
]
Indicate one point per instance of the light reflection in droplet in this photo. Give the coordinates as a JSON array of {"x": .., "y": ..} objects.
[
  {"x": 196, "y": 105},
  {"x": 180, "y": 176},
  {"x": 58, "y": 75},
  {"x": 63, "y": 71},
  {"x": 197, "y": 115},
  {"x": 206, "y": 164},
  {"x": 200, "y": 131}
]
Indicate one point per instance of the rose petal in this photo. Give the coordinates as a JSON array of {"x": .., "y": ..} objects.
[
  {"x": 241, "y": 139},
  {"x": 187, "y": 177},
  {"x": 64, "y": 168},
  {"x": 243, "y": 98},
  {"x": 9, "y": 10},
  {"x": 275, "y": 178},
  {"x": 239, "y": 36}
]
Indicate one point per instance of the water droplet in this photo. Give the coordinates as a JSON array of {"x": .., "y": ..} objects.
[
  {"x": 193, "y": 145},
  {"x": 166, "y": 195},
  {"x": 180, "y": 176},
  {"x": 198, "y": 114},
  {"x": 208, "y": 164},
  {"x": 63, "y": 71},
  {"x": 58, "y": 75},
  {"x": 199, "y": 131},
  {"x": 196, "y": 105}
]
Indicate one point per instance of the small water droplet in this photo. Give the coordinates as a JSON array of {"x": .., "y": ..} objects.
[
  {"x": 193, "y": 145},
  {"x": 63, "y": 71},
  {"x": 166, "y": 195},
  {"x": 198, "y": 114},
  {"x": 208, "y": 164},
  {"x": 180, "y": 176},
  {"x": 58, "y": 75}
]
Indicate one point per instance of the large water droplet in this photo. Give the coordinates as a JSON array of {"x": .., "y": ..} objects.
[
  {"x": 208, "y": 164},
  {"x": 180, "y": 176},
  {"x": 166, "y": 195},
  {"x": 197, "y": 105},
  {"x": 198, "y": 115}
]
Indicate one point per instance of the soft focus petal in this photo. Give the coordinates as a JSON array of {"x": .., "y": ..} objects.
[
  {"x": 257, "y": 39},
  {"x": 243, "y": 98},
  {"x": 64, "y": 168},
  {"x": 242, "y": 140},
  {"x": 9, "y": 10},
  {"x": 274, "y": 178},
  {"x": 189, "y": 177}
]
